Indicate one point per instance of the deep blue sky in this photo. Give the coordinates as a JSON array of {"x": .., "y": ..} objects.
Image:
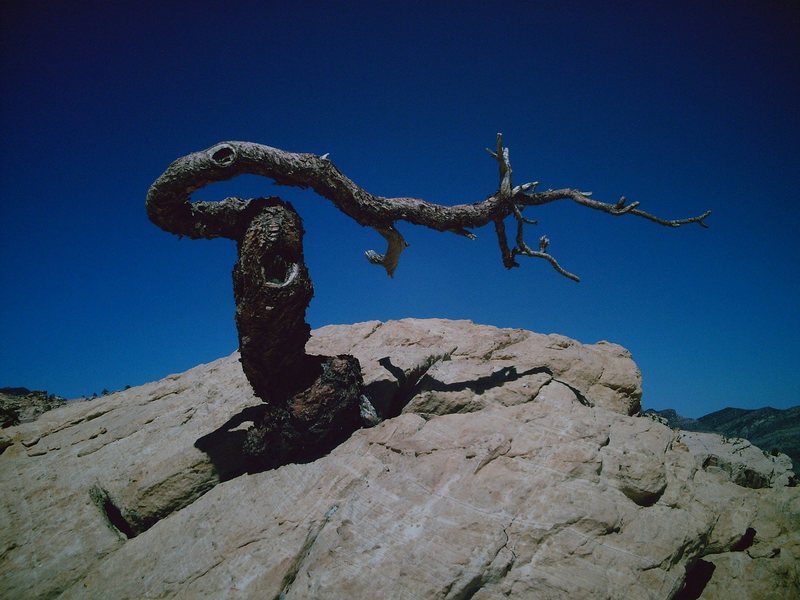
[{"x": 682, "y": 106}]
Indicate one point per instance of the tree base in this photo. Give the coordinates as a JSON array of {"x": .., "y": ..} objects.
[{"x": 313, "y": 421}]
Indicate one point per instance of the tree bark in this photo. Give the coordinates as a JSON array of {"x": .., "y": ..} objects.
[{"x": 272, "y": 290}]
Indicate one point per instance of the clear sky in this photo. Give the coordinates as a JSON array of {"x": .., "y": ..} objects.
[{"x": 683, "y": 106}]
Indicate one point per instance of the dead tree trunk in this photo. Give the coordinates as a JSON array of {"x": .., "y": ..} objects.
[{"x": 313, "y": 402}]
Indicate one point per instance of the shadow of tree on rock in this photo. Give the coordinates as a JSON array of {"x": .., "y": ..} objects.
[
  {"x": 224, "y": 446},
  {"x": 419, "y": 379},
  {"x": 314, "y": 420}
]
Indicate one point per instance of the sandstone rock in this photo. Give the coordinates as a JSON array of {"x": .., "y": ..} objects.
[
  {"x": 739, "y": 459},
  {"x": 133, "y": 452},
  {"x": 522, "y": 476},
  {"x": 771, "y": 429},
  {"x": 457, "y": 366}
]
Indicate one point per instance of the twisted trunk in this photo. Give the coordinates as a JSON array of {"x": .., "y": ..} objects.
[
  {"x": 312, "y": 402},
  {"x": 272, "y": 290}
]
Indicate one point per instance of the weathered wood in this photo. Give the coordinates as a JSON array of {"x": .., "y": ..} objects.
[{"x": 168, "y": 201}]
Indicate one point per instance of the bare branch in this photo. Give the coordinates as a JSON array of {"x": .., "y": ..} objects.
[
  {"x": 465, "y": 232},
  {"x": 170, "y": 197},
  {"x": 542, "y": 253},
  {"x": 549, "y": 258},
  {"x": 523, "y": 249},
  {"x": 501, "y": 156},
  {"x": 616, "y": 209},
  {"x": 531, "y": 186},
  {"x": 520, "y": 217},
  {"x": 506, "y": 252}
]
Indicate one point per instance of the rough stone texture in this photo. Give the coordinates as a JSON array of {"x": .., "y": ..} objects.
[
  {"x": 21, "y": 405},
  {"x": 475, "y": 366},
  {"x": 505, "y": 484},
  {"x": 739, "y": 459},
  {"x": 138, "y": 446},
  {"x": 772, "y": 429}
]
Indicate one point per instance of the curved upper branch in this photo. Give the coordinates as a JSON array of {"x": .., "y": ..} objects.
[{"x": 169, "y": 198}]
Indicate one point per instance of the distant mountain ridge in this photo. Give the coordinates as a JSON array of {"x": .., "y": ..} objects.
[{"x": 768, "y": 428}]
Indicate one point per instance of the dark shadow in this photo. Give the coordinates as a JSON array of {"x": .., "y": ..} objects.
[
  {"x": 482, "y": 384},
  {"x": 319, "y": 417},
  {"x": 224, "y": 445},
  {"x": 745, "y": 541},
  {"x": 578, "y": 395},
  {"x": 111, "y": 511},
  {"x": 418, "y": 380},
  {"x": 643, "y": 498},
  {"x": 398, "y": 373},
  {"x": 698, "y": 574},
  {"x": 381, "y": 394},
  {"x": 408, "y": 386}
]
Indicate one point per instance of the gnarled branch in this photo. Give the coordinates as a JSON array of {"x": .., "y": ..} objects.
[{"x": 169, "y": 197}]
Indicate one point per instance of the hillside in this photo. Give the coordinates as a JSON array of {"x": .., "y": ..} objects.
[
  {"x": 771, "y": 429},
  {"x": 21, "y": 405}
]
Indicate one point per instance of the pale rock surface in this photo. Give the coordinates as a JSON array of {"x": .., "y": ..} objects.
[
  {"x": 513, "y": 471},
  {"x": 740, "y": 460},
  {"x": 475, "y": 366}
]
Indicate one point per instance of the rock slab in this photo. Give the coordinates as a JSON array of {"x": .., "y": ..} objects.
[{"x": 514, "y": 468}]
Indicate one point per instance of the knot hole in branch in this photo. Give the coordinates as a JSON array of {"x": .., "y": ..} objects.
[{"x": 222, "y": 155}]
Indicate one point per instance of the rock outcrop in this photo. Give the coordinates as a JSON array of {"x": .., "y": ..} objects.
[
  {"x": 772, "y": 429},
  {"x": 21, "y": 405},
  {"x": 509, "y": 465}
]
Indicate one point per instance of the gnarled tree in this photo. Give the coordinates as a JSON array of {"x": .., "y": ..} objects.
[{"x": 313, "y": 402}]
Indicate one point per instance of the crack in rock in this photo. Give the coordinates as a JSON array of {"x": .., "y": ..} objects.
[{"x": 305, "y": 550}]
